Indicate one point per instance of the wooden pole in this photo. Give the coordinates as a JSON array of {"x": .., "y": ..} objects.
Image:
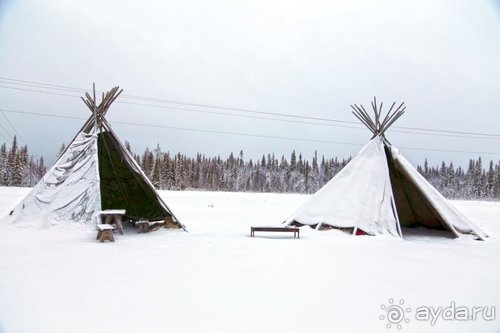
[
  {"x": 95, "y": 108},
  {"x": 362, "y": 121},
  {"x": 393, "y": 119},
  {"x": 363, "y": 118},
  {"x": 368, "y": 117},
  {"x": 389, "y": 115}
]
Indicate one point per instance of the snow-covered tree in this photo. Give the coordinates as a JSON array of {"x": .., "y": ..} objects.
[
  {"x": 14, "y": 175},
  {"x": 497, "y": 183},
  {"x": 3, "y": 164},
  {"x": 491, "y": 181}
]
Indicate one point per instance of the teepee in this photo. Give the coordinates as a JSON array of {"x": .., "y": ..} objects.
[
  {"x": 95, "y": 172},
  {"x": 379, "y": 191}
]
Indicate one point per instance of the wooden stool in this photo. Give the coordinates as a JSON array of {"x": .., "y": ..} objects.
[
  {"x": 143, "y": 226},
  {"x": 105, "y": 232}
]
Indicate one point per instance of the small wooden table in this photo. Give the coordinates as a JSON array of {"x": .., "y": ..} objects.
[
  {"x": 114, "y": 215},
  {"x": 105, "y": 232},
  {"x": 296, "y": 231}
]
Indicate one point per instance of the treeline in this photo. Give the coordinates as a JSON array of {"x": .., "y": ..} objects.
[
  {"x": 296, "y": 175},
  {"x": 267, "y": 174},
  {"x": 18, "y": 167},
  {"x": 475, "y": 183}
]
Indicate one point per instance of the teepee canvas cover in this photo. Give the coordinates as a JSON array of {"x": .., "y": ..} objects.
[
  {"x": 379, "y": 191},
  {"x": 96, "y": 172}
]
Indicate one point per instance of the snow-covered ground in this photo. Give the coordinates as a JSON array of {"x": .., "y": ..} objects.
[{"x": 217, "y": 279}]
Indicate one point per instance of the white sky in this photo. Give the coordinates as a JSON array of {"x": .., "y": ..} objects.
[{"x": 309, "y": 58}]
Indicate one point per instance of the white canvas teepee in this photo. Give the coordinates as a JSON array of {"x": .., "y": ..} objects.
[
  {"x": 379, "y": 191},
  {"x": 94, "y": 173}
]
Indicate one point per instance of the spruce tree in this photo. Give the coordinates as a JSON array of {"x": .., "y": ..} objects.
[
  {"x": 156, "y": 168},
  {"x": 315, "y": 176},
  {"x": 16, "y": 177},
  {"x": 155, "y": 174},
  {"x": 293, "y": 161},
  {"x": 451, "y": 182},
  {"x": 491, "y": 179},
  {"x": 13, "y": 168},
  {"x": 469, "y": 180},
  {"x": 3, "y": 164},
  {"x": 478, "y": 181},
  {"x": 25, "y": 163},
  {"x": 497, "y": 183}
]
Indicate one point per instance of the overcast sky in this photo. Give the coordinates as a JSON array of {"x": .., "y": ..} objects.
[{"x": 306, "y": 58}]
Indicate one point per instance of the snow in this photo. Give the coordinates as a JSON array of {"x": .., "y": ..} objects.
[
  {"x": 112, "y": 212},
  {"x": 104, "y": 227},
  {"x": 215, "y": 278}
]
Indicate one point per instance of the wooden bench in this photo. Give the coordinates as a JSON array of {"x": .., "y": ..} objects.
[
  {"x": 105, "y": 232},
  {"x": 296, "y": 231}
]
